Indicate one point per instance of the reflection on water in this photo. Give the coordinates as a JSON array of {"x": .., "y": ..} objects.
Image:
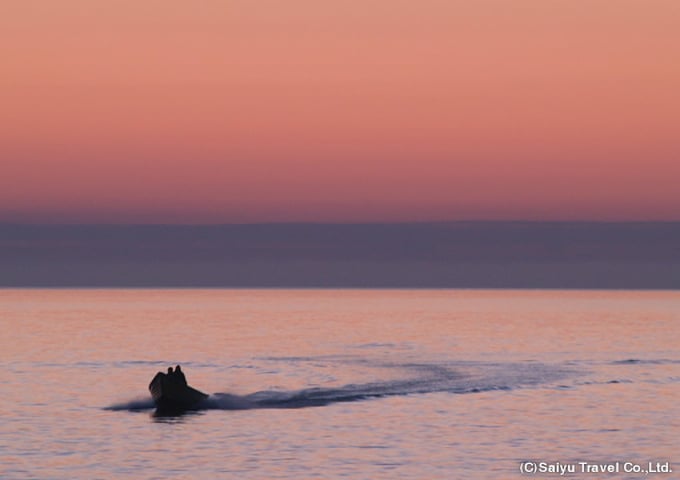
[
  {"x": 161, "y": 416},
  {"x": 404, "y": 384}
]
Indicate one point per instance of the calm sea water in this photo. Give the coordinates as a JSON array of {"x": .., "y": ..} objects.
[{"x": 371, "y": 384}]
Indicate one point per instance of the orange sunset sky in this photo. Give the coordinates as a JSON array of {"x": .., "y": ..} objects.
[{"x": 207, "y": 111}]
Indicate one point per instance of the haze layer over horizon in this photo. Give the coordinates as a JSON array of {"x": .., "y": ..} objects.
[{"x": 425, "y": 255}]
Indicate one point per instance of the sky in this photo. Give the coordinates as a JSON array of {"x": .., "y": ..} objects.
[{"x": 251, "y": 111}]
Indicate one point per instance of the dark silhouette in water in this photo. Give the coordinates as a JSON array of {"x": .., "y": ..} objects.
[{"x": 171, "y": 392}]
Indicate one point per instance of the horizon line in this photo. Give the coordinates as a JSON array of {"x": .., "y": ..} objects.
[{"x": 335, "y": 223}]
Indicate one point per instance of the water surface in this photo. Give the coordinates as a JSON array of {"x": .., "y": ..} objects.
[{"x": 335, "y": 383}]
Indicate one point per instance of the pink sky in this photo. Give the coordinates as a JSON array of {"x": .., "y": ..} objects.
[{"x": 374, "y": 110}]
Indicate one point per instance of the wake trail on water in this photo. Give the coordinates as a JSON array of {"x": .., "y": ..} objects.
[
  {"x": 138, "y": 404},
  {"x": 417, "y": 378}
]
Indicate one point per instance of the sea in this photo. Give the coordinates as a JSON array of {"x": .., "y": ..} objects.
[{"x": 330, "y": 384}]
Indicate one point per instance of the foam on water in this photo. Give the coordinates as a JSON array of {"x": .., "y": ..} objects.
[{"x": 415, "y": 378}]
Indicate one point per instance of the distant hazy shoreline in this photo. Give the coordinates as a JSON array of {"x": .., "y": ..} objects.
[{"x": 553, "y": 255}]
